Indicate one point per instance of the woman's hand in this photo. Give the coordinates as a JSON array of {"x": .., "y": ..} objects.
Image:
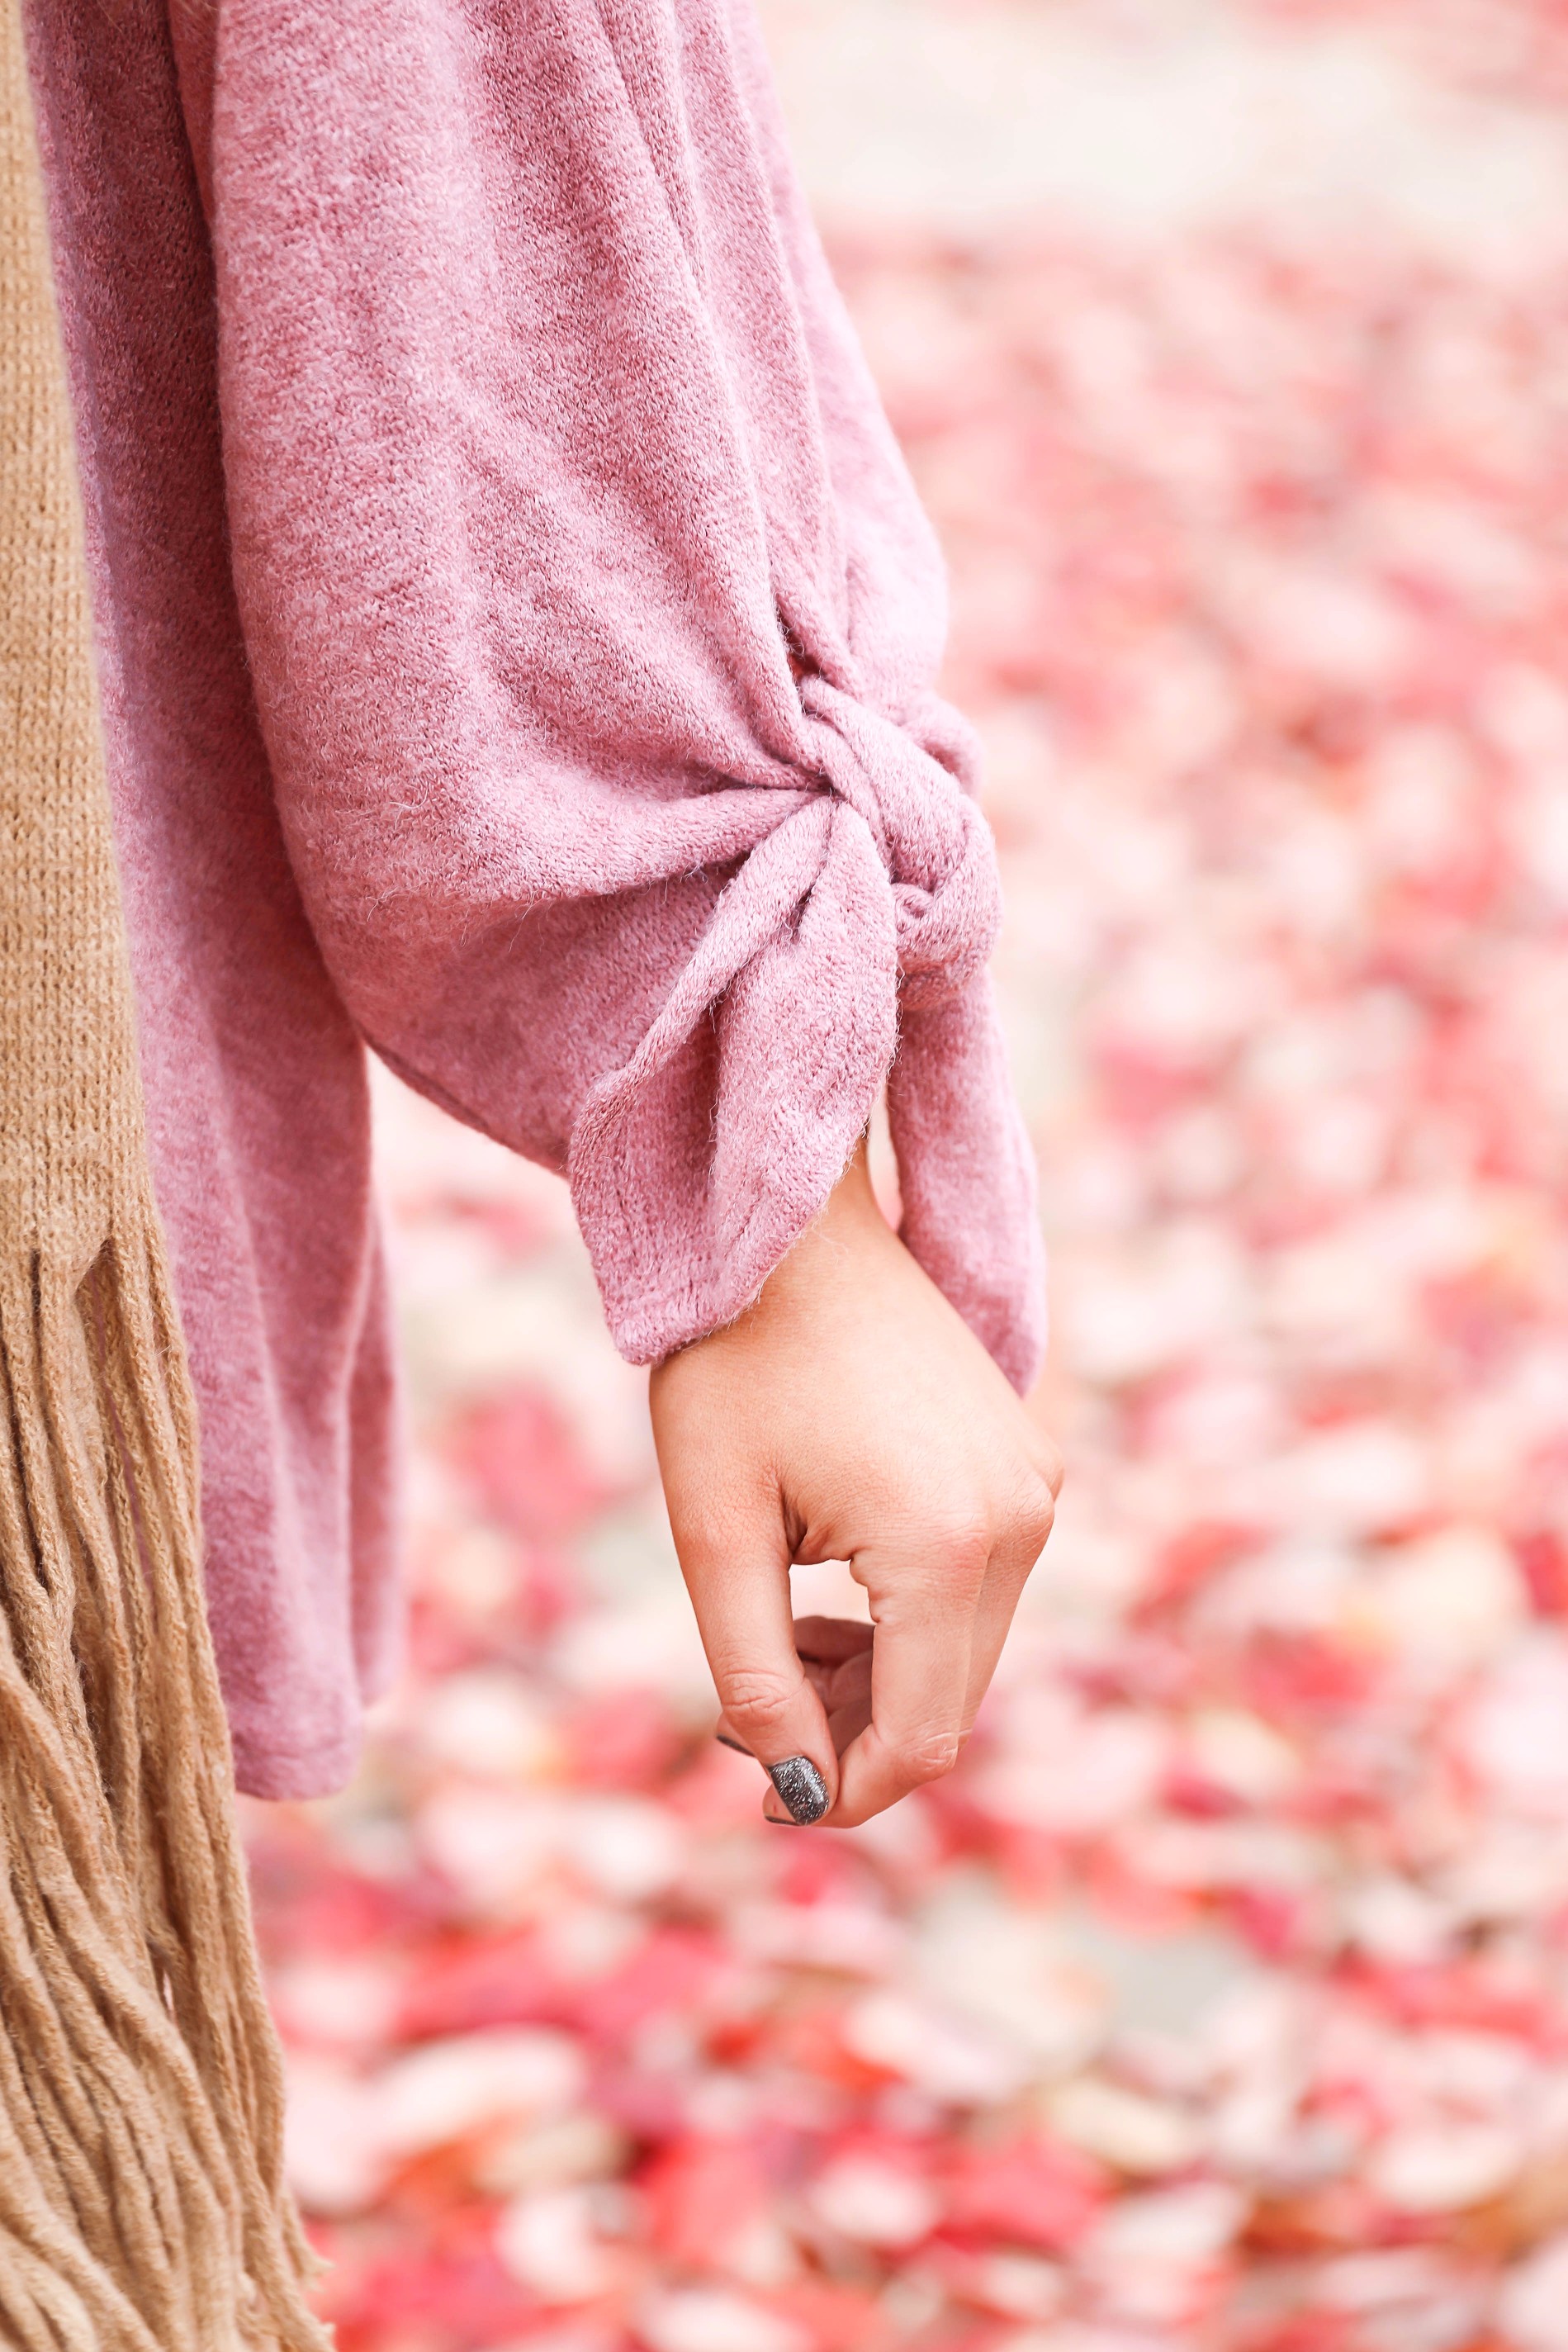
[{"x": 850, "y": 1414}]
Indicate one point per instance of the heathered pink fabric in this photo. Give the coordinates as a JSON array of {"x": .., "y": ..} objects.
[{"x": 517, "y": 639}]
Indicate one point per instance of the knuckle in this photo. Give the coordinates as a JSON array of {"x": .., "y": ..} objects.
[
  {"x": 1032, "y": 1516},
  {"x": 928, "y": 1755},
  {"x": 756, "y": 1697},
  {"x": 1052, "y": 1468},
  {"x": 961, "y": 1540}
]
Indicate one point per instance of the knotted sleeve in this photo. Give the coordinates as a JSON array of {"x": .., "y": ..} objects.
[{"x": 592, "y": 621}]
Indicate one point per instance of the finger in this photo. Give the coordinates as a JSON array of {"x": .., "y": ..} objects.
[
  {"x": 846, "y": 1694},
  {"x": 923, "y": 1601},
  {"x": 737, "y": 1573},
  {"x": 836, "y": 1654},
  {"x": 994, "y": 1614},
  {"x": 842, "y": 1681},
  {"x": 1007, "y": 1572},
  {"x": 829, "y": 1640}
]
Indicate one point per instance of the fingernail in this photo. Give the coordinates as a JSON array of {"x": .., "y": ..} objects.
[
  {"x": 724, "y": 1740},
  {"x": 802, "y": 1789}
]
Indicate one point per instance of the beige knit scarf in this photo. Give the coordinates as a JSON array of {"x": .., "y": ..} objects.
[{"x": 142, "y": 2201}]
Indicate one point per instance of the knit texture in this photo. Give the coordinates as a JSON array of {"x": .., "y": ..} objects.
[
  {"x": 518, "y": 636},
  {"x": 141, "y": 2205}
]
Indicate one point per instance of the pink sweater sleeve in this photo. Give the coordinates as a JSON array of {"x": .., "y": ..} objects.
[{"x": 593, "y": 620}]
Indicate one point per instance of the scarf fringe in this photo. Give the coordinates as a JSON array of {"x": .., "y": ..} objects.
[{"x": 143, "y": 2206}]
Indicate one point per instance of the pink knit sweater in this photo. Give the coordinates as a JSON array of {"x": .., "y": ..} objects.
[{"x": 516, "y": 637}]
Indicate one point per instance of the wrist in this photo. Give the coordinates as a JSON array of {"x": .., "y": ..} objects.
[{"x": 848, "y": 1229}]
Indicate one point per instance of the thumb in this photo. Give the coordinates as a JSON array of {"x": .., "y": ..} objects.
[{"x": 735, "y": 1563}]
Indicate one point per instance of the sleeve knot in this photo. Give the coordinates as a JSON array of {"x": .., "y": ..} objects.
[{"x": 933, "y": 843}]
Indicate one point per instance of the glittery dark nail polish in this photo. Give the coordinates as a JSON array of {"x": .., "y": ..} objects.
[{"x": 802, "y": 1789}]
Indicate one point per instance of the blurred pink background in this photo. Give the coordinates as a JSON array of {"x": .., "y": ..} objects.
[{"x": 1220, "y": 1999}]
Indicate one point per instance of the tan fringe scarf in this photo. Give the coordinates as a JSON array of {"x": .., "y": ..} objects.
[{"x": 142, "y": 2201}]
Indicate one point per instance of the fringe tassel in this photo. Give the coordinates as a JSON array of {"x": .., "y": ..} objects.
[{"x": 143, "y": 2206}]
